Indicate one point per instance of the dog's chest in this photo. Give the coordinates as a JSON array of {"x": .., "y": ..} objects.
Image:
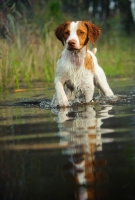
[
  {"x": 73, "y": 66},
  {"x": 76, "y": 71},
  {"x": 76, "y": 60}
]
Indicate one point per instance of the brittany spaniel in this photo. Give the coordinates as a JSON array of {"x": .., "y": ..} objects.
[{"x": 77, "y": 68}]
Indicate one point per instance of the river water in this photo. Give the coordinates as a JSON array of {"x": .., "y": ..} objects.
[{"x": 78, "y": 153}]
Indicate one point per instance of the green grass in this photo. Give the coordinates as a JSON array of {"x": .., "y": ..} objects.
[
  {"x": 117, "y": 57},
  {"x": 32, "y": 57},
  {"x": 22, "y": 63}
]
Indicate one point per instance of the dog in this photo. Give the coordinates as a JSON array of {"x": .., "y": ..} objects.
[{"x": 77, "y": 68}]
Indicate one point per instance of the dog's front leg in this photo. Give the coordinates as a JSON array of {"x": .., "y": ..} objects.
[
  {"x": 61, "y": 96},
  {"x": 88, "y": 92}
]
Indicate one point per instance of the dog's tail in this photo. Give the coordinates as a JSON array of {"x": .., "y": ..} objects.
[{"x": 94, "y": 50}]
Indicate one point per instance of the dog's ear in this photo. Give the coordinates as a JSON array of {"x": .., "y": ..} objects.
[
  {"x": 59, "y": 31},
  {"x": 93, "y": 31}
]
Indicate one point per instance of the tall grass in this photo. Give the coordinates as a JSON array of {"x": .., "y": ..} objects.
[
  {"x": 28, "y": 58},
  {"x": 32, "y": 53},
  {"x": 116, "y": 56},
  {"x": 32, "y": 56}
]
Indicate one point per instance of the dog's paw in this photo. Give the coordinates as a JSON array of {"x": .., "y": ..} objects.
[{"x": 63, "y": 101}]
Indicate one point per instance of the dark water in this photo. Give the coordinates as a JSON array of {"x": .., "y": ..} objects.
[{"x": 78, "y": 153}]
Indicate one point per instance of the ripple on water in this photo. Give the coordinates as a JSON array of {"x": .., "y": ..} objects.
[{"x": 77, "y": 152}]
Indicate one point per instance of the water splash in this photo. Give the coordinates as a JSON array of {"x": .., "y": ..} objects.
[
  {"x": 101, "y": 100},
  {"x": 45, "y": 103}
]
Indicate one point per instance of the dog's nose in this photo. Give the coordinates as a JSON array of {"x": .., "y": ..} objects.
[{"x": 71, "y": 43}]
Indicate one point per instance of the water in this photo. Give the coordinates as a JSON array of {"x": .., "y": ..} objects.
[{"x": 78, "y": 153}]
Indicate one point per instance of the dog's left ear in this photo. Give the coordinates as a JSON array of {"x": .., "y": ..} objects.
[
  {"x": 59, "y": 31},
  {"x": 93, "y": 31}
]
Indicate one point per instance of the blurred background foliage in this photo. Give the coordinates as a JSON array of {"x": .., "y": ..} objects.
[
  {"x": 109, "y": 14},
  {"x": 29, "y": 50}
]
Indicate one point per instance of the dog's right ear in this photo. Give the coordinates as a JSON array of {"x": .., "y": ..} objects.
[{"x": 59, "y": 31}]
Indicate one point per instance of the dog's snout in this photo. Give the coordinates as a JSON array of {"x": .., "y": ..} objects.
[{"x": 71, "y": 42}]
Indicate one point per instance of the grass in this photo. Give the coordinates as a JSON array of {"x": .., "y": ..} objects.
[
  {"x": 117, "y": 57},
  {"x": 22, "y": 62},
  {"x": 32, "y": 57}
]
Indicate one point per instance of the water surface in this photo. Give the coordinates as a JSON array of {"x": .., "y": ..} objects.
[{"x": 78, "y": 153}]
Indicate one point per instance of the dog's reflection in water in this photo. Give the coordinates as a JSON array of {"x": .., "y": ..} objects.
[{"x": 80, "y": 129}]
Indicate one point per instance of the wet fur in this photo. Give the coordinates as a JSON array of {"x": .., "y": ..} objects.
[{"x": 77, "y": 68}]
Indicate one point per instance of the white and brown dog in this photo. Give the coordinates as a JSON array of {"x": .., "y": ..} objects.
[{"x": 77, "y": 67}]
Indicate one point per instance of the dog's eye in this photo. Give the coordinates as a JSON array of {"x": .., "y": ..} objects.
[
  {"x": 81, "y": 32},
  {"x": 66, "y": 33}
]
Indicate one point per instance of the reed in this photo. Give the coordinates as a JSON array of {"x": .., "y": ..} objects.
[
  {"x": 116, "y": 56},
  {"x": 32, "y": 56},
  {"x": 32, "y": 53},
  {"x": 26, "y": 60}
]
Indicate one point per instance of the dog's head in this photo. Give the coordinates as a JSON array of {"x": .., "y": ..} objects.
[{"x": 75, "y": 35}]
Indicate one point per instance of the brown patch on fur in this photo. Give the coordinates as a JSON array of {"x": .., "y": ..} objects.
[
  {"x": 86, "y": 31},
  {"x": 82, "y": 33},
  {"x": 66, "y": 31},
  {"x": 88, "y": 63},
  {"x": 62, "y": 31},
  {"x": 93, "y": 31}
]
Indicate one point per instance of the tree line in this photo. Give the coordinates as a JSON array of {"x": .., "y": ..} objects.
[{"x": 107, "y": 12}]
